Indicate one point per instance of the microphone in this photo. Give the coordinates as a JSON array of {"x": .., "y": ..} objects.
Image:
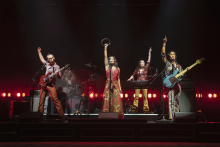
[{"x": 88, "y": 65}]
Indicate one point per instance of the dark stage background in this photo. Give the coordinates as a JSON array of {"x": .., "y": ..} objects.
[{"x": 72, "y": 31}]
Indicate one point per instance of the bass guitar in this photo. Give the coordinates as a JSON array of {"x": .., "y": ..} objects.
[
  {"x": 171, "y": 80},
  {"x": 45, "y": 79}
]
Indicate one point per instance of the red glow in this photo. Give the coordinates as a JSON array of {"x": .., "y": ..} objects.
[
  {"x": 18, "y": 94},
  {"x": 210, "y": 95},
  {"x": 149, "y": 95},
  {"x": 3, "y": 94},
  {"x": 164, "y": 96}
]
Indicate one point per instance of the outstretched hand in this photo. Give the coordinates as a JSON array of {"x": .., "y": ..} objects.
[
  {"x": 150, "y": 50},
  {"x": 38, "y": 49},
  {"x": 106, "y": 44},
  {"x": 165, "y": 39}
]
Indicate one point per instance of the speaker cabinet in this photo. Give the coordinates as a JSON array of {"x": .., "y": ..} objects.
[
  {"x": 185, "y": 117},
  {"x": 188, "y": 100},
  {"x": 16, "y": 108},
  {"x": 108, "y": 115}
]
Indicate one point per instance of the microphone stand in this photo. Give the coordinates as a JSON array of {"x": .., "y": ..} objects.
[
  {"x": 33, "y": 79},
  {"x": 162, "y": 93}
]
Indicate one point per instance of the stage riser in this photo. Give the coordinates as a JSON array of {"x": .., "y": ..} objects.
[
  {"x": 149, "y": 117},
  {"x": 123, "y": 132}
]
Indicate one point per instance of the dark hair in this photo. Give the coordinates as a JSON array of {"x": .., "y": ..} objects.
[
  {"x": 139, "y": 66},
  {"x": 115, "y": 64},
  {"x": 174, "y": 52},
  {"x": 50, "y": 54}
]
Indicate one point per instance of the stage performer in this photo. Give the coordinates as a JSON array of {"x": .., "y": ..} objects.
[
  {"x": 174, "y": 93},
  {"x": 52, "y": 67},
  {"x": 112, "y": 100},
  {"x": 141, "y": 72}
]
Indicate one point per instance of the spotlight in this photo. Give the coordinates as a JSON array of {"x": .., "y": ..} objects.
[
  {"x": 126, "y": 95},
  {"x": 18, "y": 94},
  {"x": 9, "y": 94},
  {"x": 91, "y": 95},
  {"x": 210, "y": 95},
  {"x": 164, "y": 96},
  {"x": 196, "y": 95},
  {"x": 199, "y": 95},
  {"x": 23, "y": 94},
  {"x": 140, "y": 95},
  {"x": 3, "y": 94},
  {"x": 121, "y": 95},
  {"x": 96, "y": 95},
  {"x": 154, "y": 95},
  {"x": 134, "y": 95},
  {"x": 215, "y": 95},
  {"x": 150, "y": 95}
]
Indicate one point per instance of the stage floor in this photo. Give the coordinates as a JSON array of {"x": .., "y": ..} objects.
[
  {"x": 109, "y": 144},
  {"x": 109, "y": 130}
]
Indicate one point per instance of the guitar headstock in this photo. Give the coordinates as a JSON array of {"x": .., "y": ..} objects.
[
  {"x": 200, "y": 60},
  {"x": 66, "y": 66}
]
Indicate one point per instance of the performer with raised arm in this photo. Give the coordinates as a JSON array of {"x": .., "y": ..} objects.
[
  {"x": 112, "y": 91},
  {"x": 172, "y": 65},
  {"x": 141, "y": 71},
  {"x": 51, "y": 67}
]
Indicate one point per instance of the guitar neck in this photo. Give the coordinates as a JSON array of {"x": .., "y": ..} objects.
[
  {"x": 57, "y": 72},
  {"x": 184, "y": 71}
]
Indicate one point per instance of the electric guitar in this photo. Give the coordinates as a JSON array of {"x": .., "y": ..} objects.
[
  {"x": 171, "y": 80},
  {"x": 45, "y": 79}
]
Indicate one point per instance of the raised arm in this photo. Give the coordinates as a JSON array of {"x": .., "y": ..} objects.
[
  {"x": 40, "y": 55},
  {"x": 163, "y": 53},
  {"x": 105, "y": 56},
  {"x": 149, "y": 55}
]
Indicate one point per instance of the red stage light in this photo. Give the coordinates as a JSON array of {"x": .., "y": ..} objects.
[
  {"x": 210, "y": 95},
  {"x": 140, "y": 95},
  {"x": 164, "y": 96},
  {"x": 134, "y": 95},
  {"x": 4, "y": 94},
  {"x": 154, "y": 95},
  {"x": 150, "y": 95},
  {"x": 215, "y": 95},
  {"x": 126, "y": 95},
  {"x": 91, "y": 95},
  {"x": 18, "y": 94},
  {"x": 121, "y": 95}
]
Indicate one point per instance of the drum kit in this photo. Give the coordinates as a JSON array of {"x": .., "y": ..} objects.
[{"x": 73, "y": 97}]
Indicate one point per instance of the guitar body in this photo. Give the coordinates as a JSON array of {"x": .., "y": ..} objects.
[
  {"x": 45, "y": 79},
  {"x": 171, "y": 80}
]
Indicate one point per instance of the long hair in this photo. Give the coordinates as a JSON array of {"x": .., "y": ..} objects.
[
  {"x": 139, "y": 65},
  {"x": 115, "y": 64}
]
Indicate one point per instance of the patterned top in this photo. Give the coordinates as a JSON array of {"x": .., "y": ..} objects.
[
  {"x": 142, "y": 73},
  {"x": 52, "y": 69},
  {"x": 114, "y": 74},
  {"x": 170, "y": 66}
]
